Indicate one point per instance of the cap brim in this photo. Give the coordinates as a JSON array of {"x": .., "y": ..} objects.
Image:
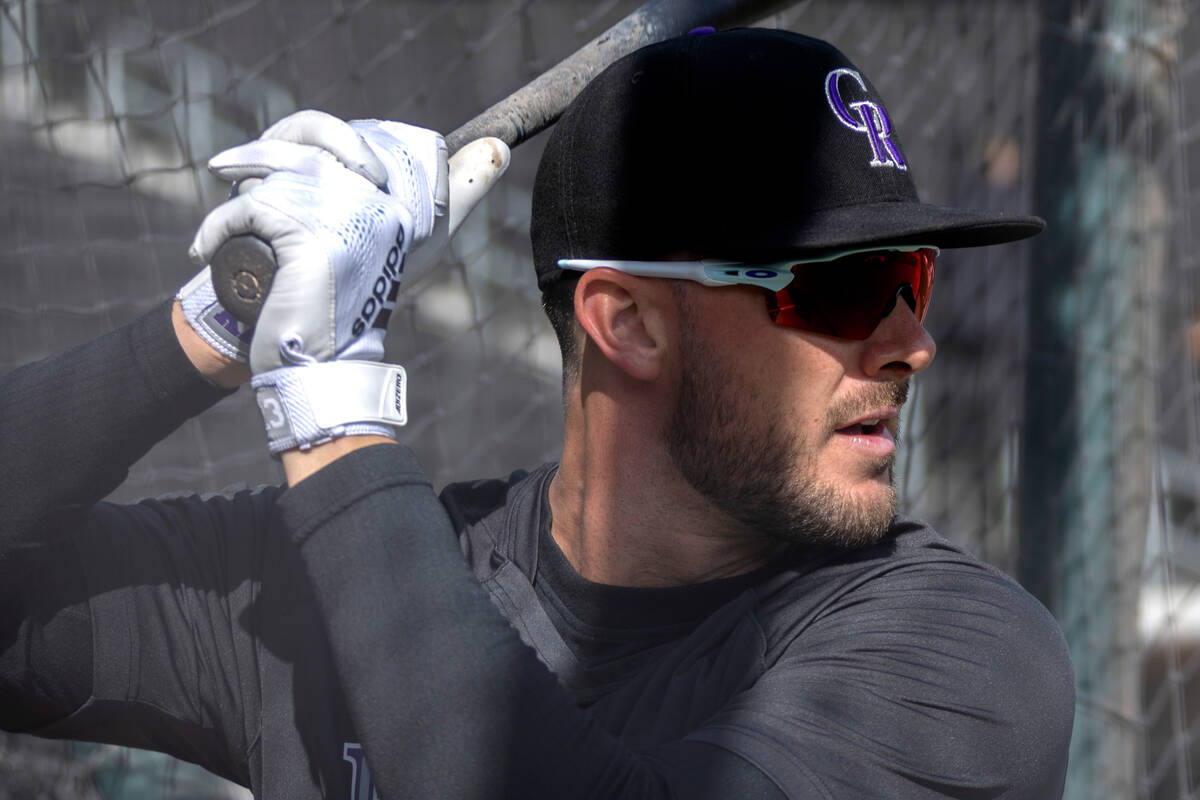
[{"x": 884, "y": 223}]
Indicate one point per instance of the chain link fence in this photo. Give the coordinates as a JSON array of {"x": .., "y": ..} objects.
[{"x": 1058, "y": 435}]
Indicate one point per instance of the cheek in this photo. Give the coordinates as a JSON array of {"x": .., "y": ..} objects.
[
  {"x": 785, "y": 373},
  {"x": 805, "y": 387},
  {"x": 791, "y": 382}
]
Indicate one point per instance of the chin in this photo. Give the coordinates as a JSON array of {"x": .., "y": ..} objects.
[
  {"x": 865, "y": 481},
  {"x": 879, "y": 483}
]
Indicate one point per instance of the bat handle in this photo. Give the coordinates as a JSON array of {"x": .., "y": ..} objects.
[{"x": 242, "y": 270}]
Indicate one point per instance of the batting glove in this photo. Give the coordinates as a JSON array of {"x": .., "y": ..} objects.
[
  {"x": 311, "y": 142},
  {"x": 341, "y": 228}
]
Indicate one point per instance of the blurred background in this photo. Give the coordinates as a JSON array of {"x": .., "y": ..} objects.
[{"x": 1058, "y": 436}]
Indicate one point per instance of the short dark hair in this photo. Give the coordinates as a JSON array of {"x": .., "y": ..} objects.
[{"x": 558, "y": 301}]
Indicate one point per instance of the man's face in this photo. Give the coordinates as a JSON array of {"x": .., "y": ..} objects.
[{"x": 792, "y": 434}]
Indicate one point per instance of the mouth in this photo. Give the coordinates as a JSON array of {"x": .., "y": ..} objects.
[
  {"x": 874, "y": 422},
  {"x": 866, "y": 427},
  {"x": 873, "y": 433}
]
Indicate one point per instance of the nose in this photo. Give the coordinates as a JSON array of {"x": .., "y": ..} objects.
[{"x": 899, "y": 346}]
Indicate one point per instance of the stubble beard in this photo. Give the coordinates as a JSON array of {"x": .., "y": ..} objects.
[{"x": 735, "y": 453}]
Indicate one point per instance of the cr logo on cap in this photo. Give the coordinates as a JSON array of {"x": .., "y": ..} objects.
[{"x": 864, "y": 116}]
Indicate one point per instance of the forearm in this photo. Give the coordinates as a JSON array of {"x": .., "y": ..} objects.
[
  {"x": 301, "y": 464},
  {"x": 227, "y": 373},
  {"x": 72, "y": 424},
  {"x": 230, "y": 374}
]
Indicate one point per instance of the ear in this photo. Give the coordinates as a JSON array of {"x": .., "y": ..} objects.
[{"x": 624, "y": 318}]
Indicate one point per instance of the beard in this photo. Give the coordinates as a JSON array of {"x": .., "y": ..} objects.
[{"x": 738, "y": 454}]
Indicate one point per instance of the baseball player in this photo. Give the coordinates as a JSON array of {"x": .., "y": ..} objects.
[{"x": 711, "y": 594}]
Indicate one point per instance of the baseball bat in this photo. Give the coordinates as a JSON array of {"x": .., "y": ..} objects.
[{"x": 244, "y": 266}]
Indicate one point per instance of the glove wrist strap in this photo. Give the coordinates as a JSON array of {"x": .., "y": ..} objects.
[
  {"x": 216, "y": 326},
  {"x": 313, "y": 404}
]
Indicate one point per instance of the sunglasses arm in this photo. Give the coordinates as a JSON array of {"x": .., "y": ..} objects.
[
  {"x": 707, "y": 273},
  {"x": 679, "y": 270}
]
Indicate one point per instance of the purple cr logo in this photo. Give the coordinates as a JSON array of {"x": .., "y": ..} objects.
[{"x": 864, "y": 116}]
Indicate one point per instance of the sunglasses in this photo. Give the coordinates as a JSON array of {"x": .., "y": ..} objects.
[{"x": 844, "y": 294}]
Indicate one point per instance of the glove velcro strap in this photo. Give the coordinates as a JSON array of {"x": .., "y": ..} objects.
[{"x": 312, "y": 404}]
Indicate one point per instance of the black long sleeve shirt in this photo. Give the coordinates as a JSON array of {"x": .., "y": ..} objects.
[{"x": 359, "y": 634}]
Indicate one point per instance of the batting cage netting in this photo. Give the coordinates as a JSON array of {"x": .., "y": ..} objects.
[{"x": 1058, "y": 435}]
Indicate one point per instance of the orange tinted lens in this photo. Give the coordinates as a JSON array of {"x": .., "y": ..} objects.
[{"x": 848, "y": 297}]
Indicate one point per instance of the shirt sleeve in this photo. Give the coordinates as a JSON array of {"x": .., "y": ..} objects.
[
  {"x": 72, "y": 424},
  {"x": 168, "y": 591},
  {"x": 921, "y": 677},
  {"x": 119, "y": 623}
]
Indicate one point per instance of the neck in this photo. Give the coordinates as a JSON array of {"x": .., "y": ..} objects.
[{"x": 624, "y": 516}]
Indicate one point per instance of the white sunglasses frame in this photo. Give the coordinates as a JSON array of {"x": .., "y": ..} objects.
[{"x": 772, "y": 275}]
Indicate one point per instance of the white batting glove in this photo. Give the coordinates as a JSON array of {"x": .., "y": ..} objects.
[
  {"x": 313, "y": 143},
  {"x": 308, "y": 142},
  {"x": 341, "y": 243}
]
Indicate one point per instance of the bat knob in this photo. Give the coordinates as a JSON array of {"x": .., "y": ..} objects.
[{"x": 242, "y": 271}]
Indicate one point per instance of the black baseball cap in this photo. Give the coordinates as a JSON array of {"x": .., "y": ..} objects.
[{"x": 750, "y": 144}]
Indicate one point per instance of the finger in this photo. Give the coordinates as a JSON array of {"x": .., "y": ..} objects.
[
  {"x": 329, "y": 133},
  {"x": 282, "y": 203},
  {"x": 229, "y": 219},
  {"x": 246, "y": 213},
  {"x": 258, "y": 159},
  {"x": 399, "y": 141},
  {"x": 473, "y": 171}
]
